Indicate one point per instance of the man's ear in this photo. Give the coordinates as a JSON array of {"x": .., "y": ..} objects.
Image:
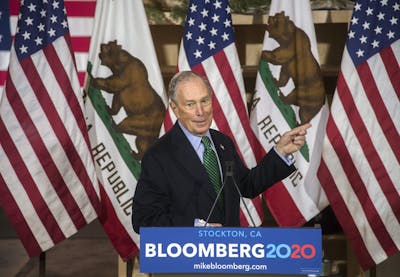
[{"x": 174, "y": 108}]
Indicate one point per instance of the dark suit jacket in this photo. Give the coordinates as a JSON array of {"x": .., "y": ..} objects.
[{"x": 174, "y": 188}]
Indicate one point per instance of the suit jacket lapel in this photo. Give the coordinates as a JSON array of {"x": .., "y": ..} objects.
[{"x": 189, "y": 160}]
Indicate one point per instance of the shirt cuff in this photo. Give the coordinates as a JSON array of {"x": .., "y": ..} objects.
[{"x": 286, "y": 159}]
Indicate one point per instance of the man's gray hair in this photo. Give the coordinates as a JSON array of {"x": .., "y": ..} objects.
[{"x": 182, "y": 77}]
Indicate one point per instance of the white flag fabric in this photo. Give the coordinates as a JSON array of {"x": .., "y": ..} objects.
[
  {"x": 208, "y": 48},
  {"x": 125, "y": 108},
  {"x": 289, "y": 92},
  {"x": 48, "y": 183},
  {"x": 360, "y": 169}
]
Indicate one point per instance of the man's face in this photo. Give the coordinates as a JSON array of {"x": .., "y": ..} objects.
[{"x": 193, "y": 106}]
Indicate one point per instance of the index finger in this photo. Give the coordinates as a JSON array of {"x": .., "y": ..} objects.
[{"x": 300, "y": 128}]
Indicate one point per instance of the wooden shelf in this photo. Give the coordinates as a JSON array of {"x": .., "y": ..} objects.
[{"x": 319, "y": 17}]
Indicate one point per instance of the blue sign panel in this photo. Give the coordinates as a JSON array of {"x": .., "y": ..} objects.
[{"x": 231, "y": 250}]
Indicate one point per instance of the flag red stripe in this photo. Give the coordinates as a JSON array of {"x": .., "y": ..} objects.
[
  {"x": 227, "y": 74},
  {"x": 80, "y": 44},
  {"x": 355, "y": 180},
  {"x": 22, "y": 229},
  {"x": 392, "y": 68},
  {"x": 38, "y": 144},
  {"x": 279, "y": 191},
  {"x": 343, "y": 214},
  {"x": 378, "y": 105},
  {"x": 25, "y": 177},
  {"x": 3, "y": 76},
  {"x": 80, "y": 8},
  {"x": 81, "y": 77},
  {"x": 74, "y": 8},
  {"x": 115, "y": 230},
  {"x": 14, "y": 7},
  {"x": 366, "y": 143},
  {"x": 167, "y": 121}
]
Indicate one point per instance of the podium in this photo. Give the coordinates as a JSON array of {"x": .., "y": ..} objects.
[{"x": 240, "y": 251}]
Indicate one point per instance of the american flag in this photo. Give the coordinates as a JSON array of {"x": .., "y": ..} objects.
[
  {"x": 80, "y": 21},
  {"x": 360, "y": 170},
  {"x": 208, "y": 48},
  {"x": 48, "y": 184}
]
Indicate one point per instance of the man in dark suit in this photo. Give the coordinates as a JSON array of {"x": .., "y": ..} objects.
[{"x": 174, "y": 188}]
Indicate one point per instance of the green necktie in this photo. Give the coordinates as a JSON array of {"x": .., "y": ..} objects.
[{"x": 211, "y": 164}]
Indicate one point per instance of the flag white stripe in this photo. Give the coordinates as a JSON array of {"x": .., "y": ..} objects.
[
  {"x": 183, "y": 64},
  {"x": 25, "y": 205},
  {"x": 352, "y": 203},
  {"x": 4, "y": 60},
  {"x": 81, "y": 59},
  {"x": 80, "y": 26}
]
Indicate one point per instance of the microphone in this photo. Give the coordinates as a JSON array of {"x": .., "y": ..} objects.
[
  {"x": 229, "y": 168},
  {"x": 229, "y": 165},
  {"x": 215, "y": 203}
]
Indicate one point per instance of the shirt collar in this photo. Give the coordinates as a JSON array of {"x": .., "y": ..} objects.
[{"x": 193, "y": 139}]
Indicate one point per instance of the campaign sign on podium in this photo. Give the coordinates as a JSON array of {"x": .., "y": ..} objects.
[{"x": 231, "y": 250}]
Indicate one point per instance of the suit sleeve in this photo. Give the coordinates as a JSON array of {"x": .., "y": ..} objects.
[
  {"x": 268, "y": 171},
  {"x": 151, "y": 199}
]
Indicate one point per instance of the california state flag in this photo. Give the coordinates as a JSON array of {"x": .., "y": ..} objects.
[
  {"x": 290, "y": 92},
  {"x": 125, "y": 107}
]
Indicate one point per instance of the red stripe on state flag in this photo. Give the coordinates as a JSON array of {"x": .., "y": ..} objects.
[
  {"x": 115, "y": 230},
  {"x": 21, "y": 227},
  {"x": 279, "y": 191}
]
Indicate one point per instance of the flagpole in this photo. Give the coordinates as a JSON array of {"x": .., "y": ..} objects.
[
  {"x": 42, "y": 264},
  {"x": 129, "y": 267}
]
